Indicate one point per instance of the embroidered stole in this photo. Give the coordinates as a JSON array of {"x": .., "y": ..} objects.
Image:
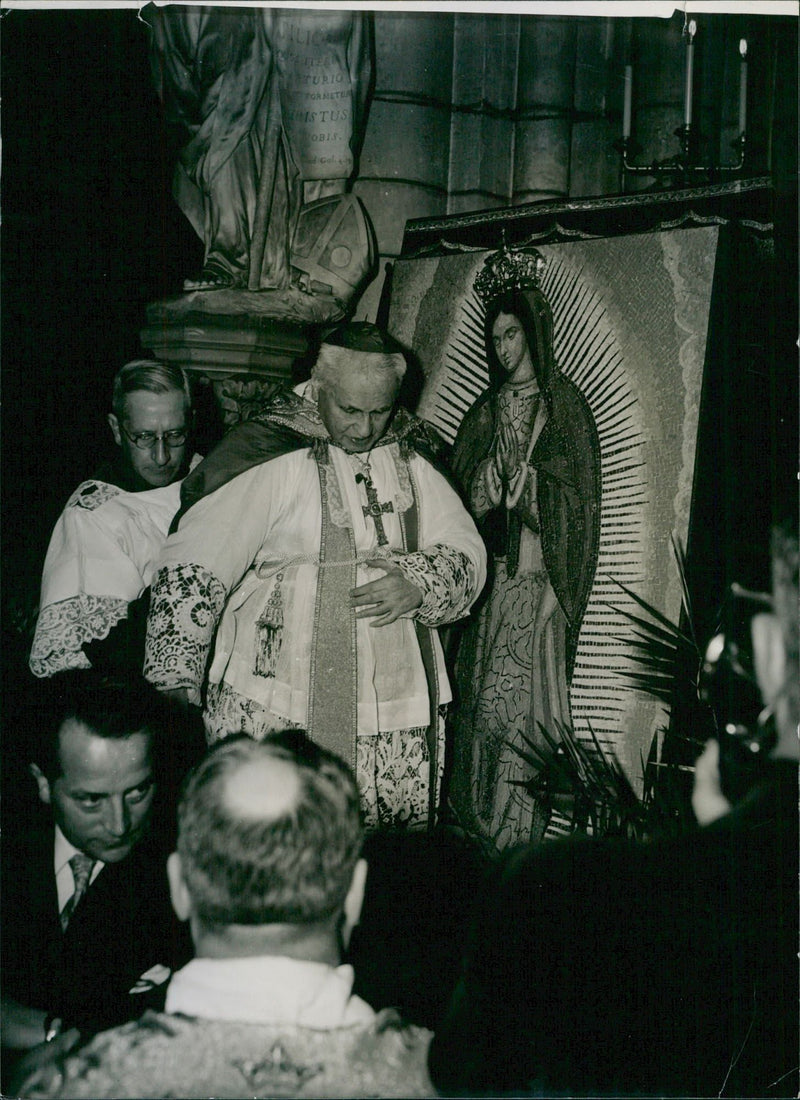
[
  {"x": 333, "y": 684},
  {"x": 333, "y": 687},
  {"x": 409, "y": 524}
]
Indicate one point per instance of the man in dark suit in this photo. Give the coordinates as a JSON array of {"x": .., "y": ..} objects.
[{"x": 89, "y": 936}]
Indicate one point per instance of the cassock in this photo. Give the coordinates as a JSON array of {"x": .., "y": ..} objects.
[{"x": 268, "y": 558}]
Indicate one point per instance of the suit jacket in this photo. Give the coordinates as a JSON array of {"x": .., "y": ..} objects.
[{"x": 123, "y": 926}]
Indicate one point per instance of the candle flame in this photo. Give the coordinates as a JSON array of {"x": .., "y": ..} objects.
[
  {"x": 743, "y": 47},
  {"x": 692, "y": 28}
]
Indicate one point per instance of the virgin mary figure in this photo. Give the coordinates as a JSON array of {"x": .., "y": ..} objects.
[{"x": 527, "y": 455}]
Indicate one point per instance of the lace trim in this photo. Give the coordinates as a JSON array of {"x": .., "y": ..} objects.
[
  {"x": 63, "y": 627},
  {"x": 91, "y": 494},
  {"x": 392, "y": 768},
  {"x": 446, "y": 579},
  {"x": 229, "y": 712},
  {"x": 393, "y": 771},
  {"x": 186, "y": 602},
  {"x": 405, "y": 494}
]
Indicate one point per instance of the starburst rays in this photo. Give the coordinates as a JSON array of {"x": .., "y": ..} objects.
[{"x": 588, "y": 353}]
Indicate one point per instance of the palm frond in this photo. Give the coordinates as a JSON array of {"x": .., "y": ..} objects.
[
  {"x": 680, "y": 561},
  {"x": 601, "y": 799},
  {"x": 666, "y": 657},
  {"x": 668, "y": 629},
  {"x": 659, "y": 687}
]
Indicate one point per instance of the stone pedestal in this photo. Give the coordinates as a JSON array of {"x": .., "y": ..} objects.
[
  {"x": 219, "y": 346},
  {"x": 243, "y": 358}
]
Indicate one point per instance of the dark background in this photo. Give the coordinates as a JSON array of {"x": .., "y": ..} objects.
[{"x": 91, "y": 234}]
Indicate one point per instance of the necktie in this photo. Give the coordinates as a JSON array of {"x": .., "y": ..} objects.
[{"x": 81, "y": 871}]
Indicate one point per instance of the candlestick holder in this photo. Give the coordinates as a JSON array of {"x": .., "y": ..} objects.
[{"x": 683, "y": 169}]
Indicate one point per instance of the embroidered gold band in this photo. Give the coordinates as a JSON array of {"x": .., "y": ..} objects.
[{"x": 333, "y": 685}]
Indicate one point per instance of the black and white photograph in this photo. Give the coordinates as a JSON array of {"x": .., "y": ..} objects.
[{"x": 400, "y": 676}]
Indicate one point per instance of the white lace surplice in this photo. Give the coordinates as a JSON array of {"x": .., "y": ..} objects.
[
  {"x": 255, "y": 542},
  {"x": 101, "y": 556}
]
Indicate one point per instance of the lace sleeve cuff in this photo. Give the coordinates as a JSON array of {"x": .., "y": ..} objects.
[
  {"x": 64, "y": 627},
  {"x": 446, "y": 578},
  {"x": 185, "y": 603}
]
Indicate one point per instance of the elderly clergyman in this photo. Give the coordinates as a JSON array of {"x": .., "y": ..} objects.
[{"x": 323, "y": 545}]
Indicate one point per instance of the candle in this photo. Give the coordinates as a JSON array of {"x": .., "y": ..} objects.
[
  {"x": 687, "y": 100},
  {"x": 743, "y": 86},
  {"x": 626, "y": 106}
]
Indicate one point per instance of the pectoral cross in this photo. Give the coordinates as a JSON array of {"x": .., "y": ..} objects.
[{"x": 374, "y": 507}]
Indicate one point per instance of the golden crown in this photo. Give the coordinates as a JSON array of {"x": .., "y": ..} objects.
[{"x": 509, "y": 269}]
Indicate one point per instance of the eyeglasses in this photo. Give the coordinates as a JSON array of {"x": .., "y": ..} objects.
[{"x": 145, "y": 441}]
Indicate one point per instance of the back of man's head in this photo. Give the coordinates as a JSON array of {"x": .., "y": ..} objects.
[{"x": 268, "y": 833}]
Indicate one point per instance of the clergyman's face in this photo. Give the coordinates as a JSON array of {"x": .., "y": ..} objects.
[
  {"x": 357, "y": 408},
  {"x": 508, "y": 337},
  {"x": 103, "y": 798},
  {"x": 160, "y": 464}
]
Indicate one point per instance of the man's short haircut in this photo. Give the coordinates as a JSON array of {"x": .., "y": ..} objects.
[
  {"x": 111, "y": 706},
  {"x": 150, "y": 375},
  {"x": 292, "y": 869},
  {"x": 359, "y": 346}
]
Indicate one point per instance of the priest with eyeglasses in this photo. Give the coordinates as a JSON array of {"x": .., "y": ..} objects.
[{"x": 97, "y": 570}]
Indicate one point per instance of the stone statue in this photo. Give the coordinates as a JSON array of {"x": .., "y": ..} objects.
[{"x": 275, "y": 102}]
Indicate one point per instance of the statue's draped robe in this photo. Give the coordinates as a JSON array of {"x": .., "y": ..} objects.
[
  {"x": 516, "y": 657},
  {"x": 251, "y": 86},
  {"x": 249, "y": 556}
]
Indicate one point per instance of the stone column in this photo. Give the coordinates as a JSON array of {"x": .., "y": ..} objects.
[
  {"x": 485, "y": 60},
  {"x": 595, "y": 165},
  {"x": 404, "y": 164},
  {"x": 543, "y": 137},
  {"x": 658, "y": 84}
]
